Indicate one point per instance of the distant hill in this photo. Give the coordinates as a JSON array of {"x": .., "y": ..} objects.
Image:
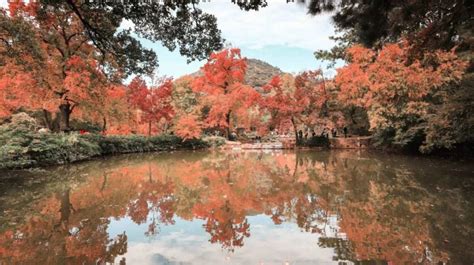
[{"x": 258, "y": 72}]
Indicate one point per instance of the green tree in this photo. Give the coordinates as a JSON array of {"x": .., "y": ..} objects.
[{"x": 174, "y": 23}]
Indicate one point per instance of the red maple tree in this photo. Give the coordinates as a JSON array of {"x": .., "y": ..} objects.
[
  {"x": 154, "y": 103},
  {"x": 298, "y": 100},
  {"x": 224, "y": 91}
]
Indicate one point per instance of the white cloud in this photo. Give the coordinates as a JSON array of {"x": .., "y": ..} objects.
[
  {"x": 279, "y": 23},
  {"x": 267, "y": 244}
]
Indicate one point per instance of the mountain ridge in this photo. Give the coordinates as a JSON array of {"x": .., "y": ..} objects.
[{"x": 258, "y": 72}]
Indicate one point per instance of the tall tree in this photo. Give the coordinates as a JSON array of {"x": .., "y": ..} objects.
[
  {"x": 223, "y": 89},
  {"x": 154, "y": 102},
  {"x": 20, "y": 58},
  {"x": 176, "y": 24},
  {"x": 299, "y": 100},
  {"x": 401, "y": 95},
  {"x": 71, "y": 73}
]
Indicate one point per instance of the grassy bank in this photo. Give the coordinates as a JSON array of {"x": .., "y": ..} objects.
[{"x": 22, "y": 148}]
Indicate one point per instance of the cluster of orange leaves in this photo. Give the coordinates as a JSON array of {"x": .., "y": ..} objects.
[
  {"x": 381, "y": 82},
  {"x": 391, "y": 83}
]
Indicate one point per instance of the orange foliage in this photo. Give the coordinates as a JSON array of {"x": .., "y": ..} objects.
[
  {"x": 296, "y": 101},
  {"x": 188, "y": 127},
  {"x": 223, "y": 89},
  {"x": 387, "y": 82},
  {"x": 17, "y": 89},
  {"x": 154, "y": 103},
  {"x": 402, "y": 95},
  {"x": 67, "y": 79}
]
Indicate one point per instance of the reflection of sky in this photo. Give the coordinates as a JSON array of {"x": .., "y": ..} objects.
[{"x": 186, "y": 242}]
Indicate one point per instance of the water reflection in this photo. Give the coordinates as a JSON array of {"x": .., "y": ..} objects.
[{"x": 240, "y": 208}]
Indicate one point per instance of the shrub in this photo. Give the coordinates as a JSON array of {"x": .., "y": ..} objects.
[
  {"x": 61, "y": 148},
  {"x": 139, "y": 144},
  {"x": 85, "y": 126},
  {"x": 20, "y": 122},
  {"x": 214, "y": 141},
  {"x": 22, "y": 148}
]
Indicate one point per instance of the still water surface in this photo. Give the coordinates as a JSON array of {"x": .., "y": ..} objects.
[{"x": 240, "y": 208}]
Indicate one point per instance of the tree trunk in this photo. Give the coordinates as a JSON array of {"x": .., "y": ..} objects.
[
  {"x": 149, "y": 128},
  {"x": 227, "y": 119},
  {"x": 150, "y": 175},
  {"x": 47, "y": 119},
  {"x": 65, "y": 110},
  {"x": 104, "y": 183},
  {"x": 297, "y": 138},
  {"x": 66, "y": 207},
  {"x": 104, "y": 124}
]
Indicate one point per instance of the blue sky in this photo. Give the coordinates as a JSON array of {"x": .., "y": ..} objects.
[{"x": 281, "y": 34}]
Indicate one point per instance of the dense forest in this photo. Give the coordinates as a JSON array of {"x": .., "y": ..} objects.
[{"x": 409, "y": 85}]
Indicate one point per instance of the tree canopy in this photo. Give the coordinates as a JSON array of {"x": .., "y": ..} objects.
[{"x": 408, "y": 75}]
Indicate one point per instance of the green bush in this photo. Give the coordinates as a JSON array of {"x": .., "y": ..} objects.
[
  {"x": 61, "y": 148},
  {"x": 26, "y": 149},
  {"x": 214, "y": 141},
  {"x": 85, "y": 125},
  {"x": 20, "y": 147},
  {"x": 140, "y": 144}
]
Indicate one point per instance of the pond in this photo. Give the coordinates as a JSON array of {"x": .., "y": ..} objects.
[{"x": 240, "y": 208}]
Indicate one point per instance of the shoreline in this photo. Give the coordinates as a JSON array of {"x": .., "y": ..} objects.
[
  {"x": 42, "y": 150},
  {"x": 45, "y": 150}
]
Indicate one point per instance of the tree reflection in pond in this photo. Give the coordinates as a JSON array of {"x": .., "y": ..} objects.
[{"x": 384, "y": 209}]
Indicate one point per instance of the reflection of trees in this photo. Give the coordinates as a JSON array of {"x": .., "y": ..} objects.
[
  {"x": 227, "y": 227},
  {"x": 384, "y": 212},
  {"x": 342, "y": 247},
  {"x": 61, "y": 237},
  {"x": 381, "y": 212}
]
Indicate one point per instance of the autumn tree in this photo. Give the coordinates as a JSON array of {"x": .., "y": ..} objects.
[
  {"x": 186, "y": 103},
  {"x": 184, "y": 100},
  {"x": 453, "y": 124},
  {"x": 280, "y": 102},
  {"x": 116, "y": 115},
  {"x": 223, "y": 90},
  {"x": 401, "y": 95},
  {"x": 71, "y": 72},
  {"x": 428, "y": 26},
  {"x": 300, "y": 100},
  {"x": 154, "y": 103},
  {"x": 188, "y": 127},
  {"x": 68, "y": 30},
  {"x": 20, "y": 57}
]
